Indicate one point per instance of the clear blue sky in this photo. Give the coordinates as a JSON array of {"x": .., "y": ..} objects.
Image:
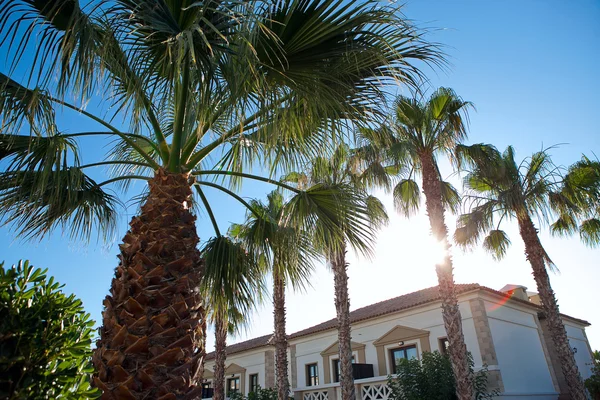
[{"x": 530, "y": 67}]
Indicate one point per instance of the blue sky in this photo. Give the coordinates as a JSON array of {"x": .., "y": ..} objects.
[{"x": 530, "y": 68}]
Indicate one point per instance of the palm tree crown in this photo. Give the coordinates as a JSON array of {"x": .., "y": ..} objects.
[
  {"x": 578, "y": 202},
  {"x": 361, "y": 214},
  {"x": 420, "y": 132},
  {"x": 216, "y": 84},
  {"x": 498, "y": 186},
  {"x": 423, "y": 131},
  {"x": 205, "y": 89},
  {"x": 499, "y": 189}
]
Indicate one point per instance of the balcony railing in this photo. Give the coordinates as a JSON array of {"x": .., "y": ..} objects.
[{"x": 366, "y": 389}]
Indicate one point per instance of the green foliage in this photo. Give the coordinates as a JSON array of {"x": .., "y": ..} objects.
[
  {"x": 578, "y": 202},
  {"x": 45, "y": 338},
  {"x": 259, "y": 394},
  {"x": 592, "y": 384},
  {"x": 233, "y": 282},
  {"x": 500, "y": 188},
  {"x": 431, "y": 378},
  {"x": 202, "y": 87}
]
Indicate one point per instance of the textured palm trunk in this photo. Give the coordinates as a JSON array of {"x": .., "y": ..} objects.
[
  {"x": 450, "y": 310},
  {"x": 149, "y": 345},
  {"x": 203, "y": 349},
  {"x": 536, "y": 256},
  {"x": 280, "y": 338},
  {"x": 342, "y": 308},
  {"x": 220, "y": 356}
]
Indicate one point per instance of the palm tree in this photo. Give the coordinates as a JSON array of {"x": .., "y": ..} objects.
[
  {"x": 192, "y": 80},
  {"x": 233, "y": 285},
  {"x": 331, "y": 234},
  {"x": 421, "y": 132},
  {"x": 287, "y": 253},
  {"x": 578, "y": 202},
  {"x": 498, "y": 186}
]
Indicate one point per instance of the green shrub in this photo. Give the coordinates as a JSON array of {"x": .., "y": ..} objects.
[
  {"x": 259, "y": 394},
  {"x": 592, "y": 383},
  {"x": 45, "y": 338},
  {"x": 431, "y": 378}
]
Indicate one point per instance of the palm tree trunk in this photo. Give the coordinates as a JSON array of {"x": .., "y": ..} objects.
[
  {"x": 220, "y": 356},
  {"x": 280, "y": 337},
  {"x": 203, "y": 350},
  {"x": 537, "y": 257},
  {"x": 342, "y": 308},
  {"x": 152, "y": 316},
  {"x": 450, "y": 310}
]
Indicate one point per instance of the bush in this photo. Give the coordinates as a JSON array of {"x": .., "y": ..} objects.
[
  {"x": 431, "y": 378},
  {"x": 592, "y": 383},
  {"x": 45, "y": 338},
  {"x": 259, "y": 394}
]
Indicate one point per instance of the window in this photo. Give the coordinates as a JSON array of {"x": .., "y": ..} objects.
[
  {"x": 253, "y": 382},
  {"x": 233, "y": 386},
  {"x": 207, "y": 390},
  {"x": 312, "y": 375},
  {"x": 336, "y": 369},
  {"x": 444, "y": 344},
  {"x": 406, "y": 353}
]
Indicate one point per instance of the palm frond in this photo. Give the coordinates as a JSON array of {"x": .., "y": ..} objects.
[
  {"x": 232, "y": 280},
  {"x": 496, "y": 243},
  {"x": 377, "y": 212},
  {"x": 475, "y": 156},
  {"x": 565, "y": 225},
  {"x": 283, "y": 248},
  {"x": 450, "y": 197},
  {"x": 62, "y": 37},
  {"x": 589, "y": 232},
  {"x": 333, "y": 215},
  {"x": 407, "y": 197},
  {"x": 474, "y": 224},
  {"x": 19, "y": 104},
  {"x": 68, "y": 199}
]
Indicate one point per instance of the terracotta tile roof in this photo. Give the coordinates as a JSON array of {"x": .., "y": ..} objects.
[
  {"x": 244, "y": 346},
  {"x": 385, "y": 307}
]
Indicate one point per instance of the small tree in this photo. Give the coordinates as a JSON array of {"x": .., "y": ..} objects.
[
  {"x": 592, "y": 384},
  {"x": 432, "y": 378},
  {"x": 45, "y": 338}
]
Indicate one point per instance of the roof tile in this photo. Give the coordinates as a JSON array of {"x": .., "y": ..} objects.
[{"x": 371, "y": 311}]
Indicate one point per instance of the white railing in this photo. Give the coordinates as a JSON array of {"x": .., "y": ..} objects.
[
  {"x": 375, "y": 391},
  {"x": 368, "y": 389},
  {"x": 315, "y": 395}
]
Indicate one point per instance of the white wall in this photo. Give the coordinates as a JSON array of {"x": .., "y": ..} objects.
[
  {"x": 519, "y": 350},
  {"x": 515, "y": 334},
  {"x": 308, "y": 349},
  {"x": 583, "y": 357},
  {"x": 253, "y": 362}
]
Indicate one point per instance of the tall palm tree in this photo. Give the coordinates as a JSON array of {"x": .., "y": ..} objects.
[
  {"x": 577, "y": 202},
  {"x": 233, "y": 284},
  {"x": 499, "y": 187},
  {"x": 192, "y": 80},
  {"x": 421, "y": 132},
  {"x": 287, "y": 253},
  {"x": 331, "y": 234}
]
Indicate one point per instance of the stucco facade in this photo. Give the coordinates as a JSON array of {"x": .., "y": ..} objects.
[{"x": 502, "y": 330}]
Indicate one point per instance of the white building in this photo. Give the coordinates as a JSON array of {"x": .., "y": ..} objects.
[{"x": 503, "y": 329}]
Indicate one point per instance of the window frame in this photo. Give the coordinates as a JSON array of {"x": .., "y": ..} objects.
[
  {"x": 253, "y": 386},
  {"x": 405, "y": 347},
  {"x": 310, "y": 379},
  {"x": 234, "y": 379},
  {"x": 335, "y": 367},
  {"x": 442, "y": 345}
]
